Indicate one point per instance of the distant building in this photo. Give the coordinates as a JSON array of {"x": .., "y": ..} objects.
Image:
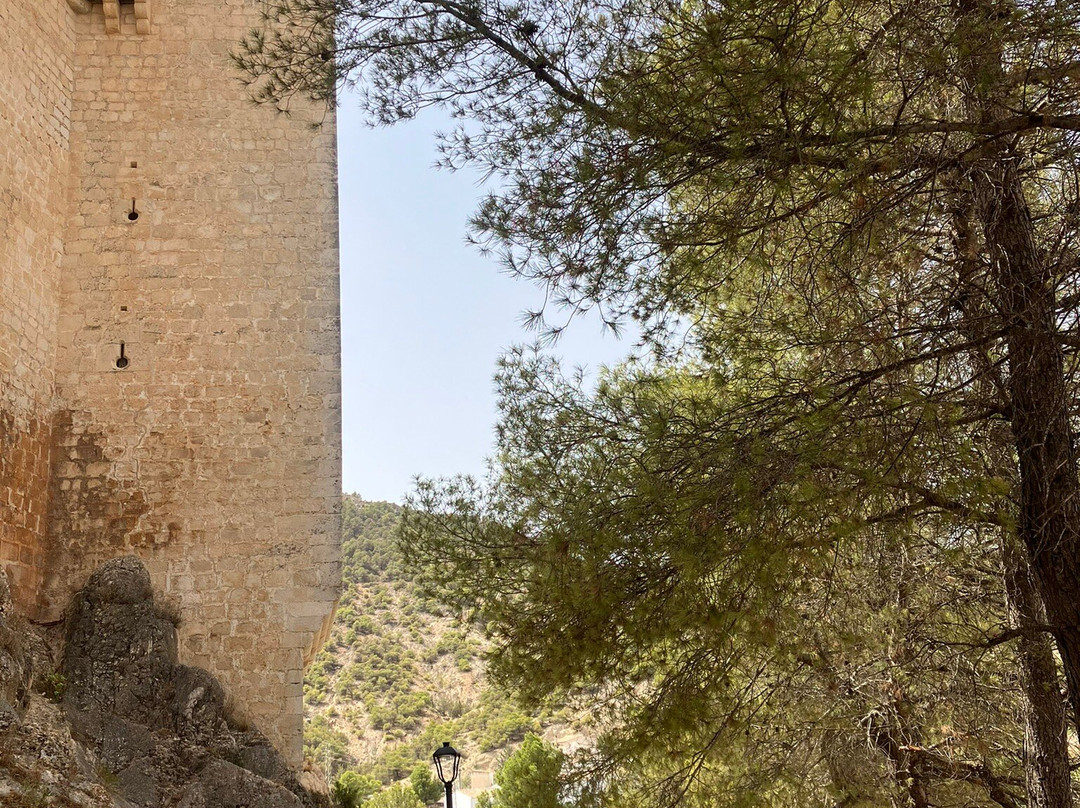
[{"x": 461, "y": 800}]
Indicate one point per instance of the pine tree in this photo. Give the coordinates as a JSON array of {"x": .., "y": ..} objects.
[{"x": 853, "y": 226}]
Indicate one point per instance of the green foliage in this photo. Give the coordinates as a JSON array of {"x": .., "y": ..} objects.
[
  {"x": 30, "y": 796},
  {"x": 368, "y": 552},
  {"x": 530, "y": 777},
  {"x": 374, "y": 679},
  {"x": 399, "y": 796},
  {"x": 591, "y": 566},
  {"x": 772, "y": 552},
  {"x": 383, "y": 677},
  {"x": 428, "y": 789},
  {"x": 399, "y": 760},
  {"x": 848, "y": 232},
  {"x": 107, "y": 777},
  {"x": 351, "y": 790},
  {"x": 506, "y": 728},
  {"x": 52, "y": 686},
  {"x": 325, "y": 745}
]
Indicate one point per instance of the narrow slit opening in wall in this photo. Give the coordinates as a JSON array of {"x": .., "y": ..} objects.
[
  {"x": 133, "y": 214},
  {"x": 122, "y": 360}
]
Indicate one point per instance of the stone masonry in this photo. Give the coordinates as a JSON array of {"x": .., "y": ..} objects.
[{"x": 169, "y": 334}]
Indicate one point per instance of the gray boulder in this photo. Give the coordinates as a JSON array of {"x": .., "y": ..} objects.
[
  {"x": 15, "y": 663},
  {"x": 159, "y": 728},
  {"x": 223, "y": 785},
  {"x": 119, "y": 652}
]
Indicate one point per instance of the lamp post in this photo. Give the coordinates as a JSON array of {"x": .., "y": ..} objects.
[{"x": 447, "y": 762}]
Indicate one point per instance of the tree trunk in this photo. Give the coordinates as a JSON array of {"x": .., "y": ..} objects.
[
  {"x": 1046, "y": 753},
  {"x": 1049, "y": 487}
]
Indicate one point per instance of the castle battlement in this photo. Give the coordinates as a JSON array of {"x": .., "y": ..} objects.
[{"x": 169, "y": 334}]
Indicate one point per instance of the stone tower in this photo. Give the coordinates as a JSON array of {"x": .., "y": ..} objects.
[{"x": 169, "y": 334}]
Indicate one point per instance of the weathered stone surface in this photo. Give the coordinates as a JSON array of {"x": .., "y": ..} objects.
[
  {"x": 40, "y": 758},
  {"x": 223, "y": 785},
  {"x": 15, "y": 664},
  {"x": 199, "y": 708},
  {"x": 120, "y": 653},
  {"x": 6, "y": 602},
  {"x": 125, "y": 580},
  {"x": 37, "y": 45},
  {"x": 158, "y": 728},
  {"x": 137, "y": 782},
  {"x": 257, "y": 755},
  {"x": 119, "y": 742}
]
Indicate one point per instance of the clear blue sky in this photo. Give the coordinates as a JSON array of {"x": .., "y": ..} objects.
[{"x": 424, "y": 315}]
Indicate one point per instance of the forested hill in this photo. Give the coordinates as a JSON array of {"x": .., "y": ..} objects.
[{"x": 396, "y": 679}]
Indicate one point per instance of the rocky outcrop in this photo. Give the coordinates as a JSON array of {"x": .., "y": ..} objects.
[
  {"x": 14, "y": 663},
  {"x": 136, "y": 729},
  {"x": 41, "y": 764}
]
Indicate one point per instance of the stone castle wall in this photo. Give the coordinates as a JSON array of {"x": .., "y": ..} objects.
[
  {"x": 212, "y": 450},
  {"x": 37, "y": 51}
]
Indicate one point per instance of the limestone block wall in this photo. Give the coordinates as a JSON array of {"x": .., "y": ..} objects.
[
  {"x": 36, "y": 74},
  {"x": 169, "y": 334},
  {"x": 211, "y": 449}
]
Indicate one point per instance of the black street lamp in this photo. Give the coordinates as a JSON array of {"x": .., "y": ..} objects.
[{"x": 447, "y": 761}]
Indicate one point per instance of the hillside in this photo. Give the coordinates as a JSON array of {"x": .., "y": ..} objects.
[{"x": 397, "y": 678}]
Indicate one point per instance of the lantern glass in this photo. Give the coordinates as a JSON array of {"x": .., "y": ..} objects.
[{"x": 447, "y": 761}]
